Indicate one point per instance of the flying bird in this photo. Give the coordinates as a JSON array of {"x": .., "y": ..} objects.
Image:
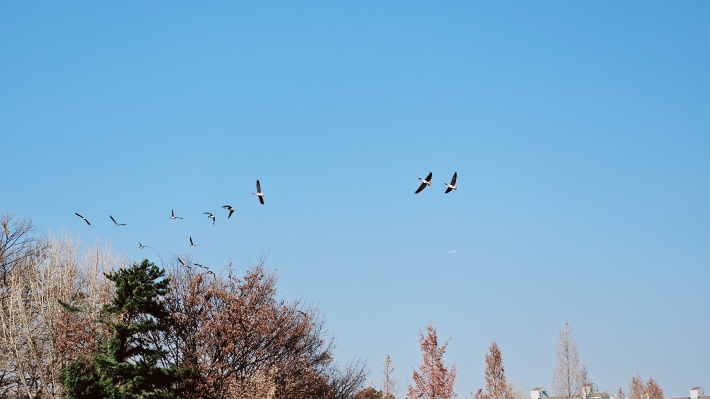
[
  {"x": 451, "y": 186},
  {"x": 211, "y": 216},
  {"x": 172, "y": 216},
  {"x": 258, "y": 192},
  {"x": 425, "y": 182},
  {"x": 210, "y": 272},
  {"x": 231, "y": 210},
  {"x": 183, "y": 264},
  {"x": 192, "y": 245},
  {"x": 141, "y": 246},
  {"x": 116, "y": 223},
  {"x": 87, "y": 222},
  {"x": 199, "y": 265}
]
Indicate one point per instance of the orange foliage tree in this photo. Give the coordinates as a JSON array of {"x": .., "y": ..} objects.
[
  {"x": 640, "y": 389},
  {"x": 434, "y": 380},
  {"x": 245, "y": 342}
]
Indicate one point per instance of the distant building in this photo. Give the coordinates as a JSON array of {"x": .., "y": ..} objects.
[
  {"x": 589, "y": 391},
  {"x": 696, "y": 393},
  {"x": 538, "y": 393}
]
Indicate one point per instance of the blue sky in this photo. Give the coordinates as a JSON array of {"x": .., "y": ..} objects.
[{"x": 580, "y": 133}]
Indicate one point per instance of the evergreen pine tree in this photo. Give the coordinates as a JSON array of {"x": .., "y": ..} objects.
[{"x": 127, "y": 368}]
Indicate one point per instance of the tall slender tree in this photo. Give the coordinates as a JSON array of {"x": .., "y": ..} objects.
[
  {"x": 389, "y": 381},
  {"x": 434, "y": 380},
  {"x": 127, "y": 366},
  {"x": 496, "y": 386},
  {"x": 565, "y": 381}
]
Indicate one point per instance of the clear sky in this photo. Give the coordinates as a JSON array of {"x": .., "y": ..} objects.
[{"x": 580, "y": 134}]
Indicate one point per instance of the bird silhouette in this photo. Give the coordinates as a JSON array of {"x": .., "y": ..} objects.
[
  {"x": 452, "y": 185},
  {"x": 87, "y": 222},
  {"x": 258, "y": 192},
  {"x": 231, "y": 210},
  {"x": 211, "y": 216},
  {"x": 425, "y": 182},
  {"x": 116, "y": 223}
]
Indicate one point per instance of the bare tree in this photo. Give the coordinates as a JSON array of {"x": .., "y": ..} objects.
[
  {"x": 389, "y": 380},
  {"x": 346, "y": 382},
  {"x": 585, "y": 382},
  {"x": 33, "y": 326},
  {"x": 434, "y": 380},
  {"x": 16, "y": 242},
  {"x": 566, "y": 380},
  {"x": 621, "y": 394}
]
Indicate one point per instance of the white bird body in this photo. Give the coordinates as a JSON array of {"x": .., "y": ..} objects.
[
  {"x": 211, "y": 216},
  {"x": 258, "y": 192},
  {"x": 425, "y": 183},
  {"x": 451, "y": 185}
]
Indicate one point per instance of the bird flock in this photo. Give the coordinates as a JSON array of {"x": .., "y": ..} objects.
[{"x": 425, "y": 183}]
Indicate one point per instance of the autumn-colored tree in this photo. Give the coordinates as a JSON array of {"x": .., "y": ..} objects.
[
  {"x": 566, "y": 380},
  {"x": 434, "y": 380},
  {"x": 640, "y": 389},
  {"x": 496, "y": 386},
  {"x": 245, "y": 342}
]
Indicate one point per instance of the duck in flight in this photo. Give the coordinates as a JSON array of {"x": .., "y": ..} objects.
[
  {"x": 87, "y": 222},
  {"x": 116, "y": 223},
  {"x": 451, "y": 186},
  {"x": 258, "y": 192},
  {"x": 211, "y": 216},
  {"x": 172, "y": 216},
  {"x": 192, "y": 245},
  {"x": 141, "y": 246},
  {"x": 231, "y": 210},
  {"x": 425, "y": 182}
]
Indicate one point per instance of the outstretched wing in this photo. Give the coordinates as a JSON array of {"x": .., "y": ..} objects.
[
  {"x": 231, "y": 211},
  {"x": 453, "y": 180},
  {"x": 448, "y": 190},
  {"x": 419, "y": 190},
  {"x": 114, "y": 220},
  {"x": 428, "y": 178},
  {"x": 172, "y": 211},
  {"x": 87, "y": 222},
  {"x": 227, "y": 206},
  {"x": 191, "y": 243},
  {"x": 261, "y": 199},
  {"x": 258, "y": 186}
]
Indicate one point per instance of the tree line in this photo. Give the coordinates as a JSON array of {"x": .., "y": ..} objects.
[
  {"x": 87, "y": 323},
  {"x": 434, "y": 379}
]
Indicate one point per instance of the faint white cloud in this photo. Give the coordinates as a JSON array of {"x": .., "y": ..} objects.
[{"x": 452, "y": 251}]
